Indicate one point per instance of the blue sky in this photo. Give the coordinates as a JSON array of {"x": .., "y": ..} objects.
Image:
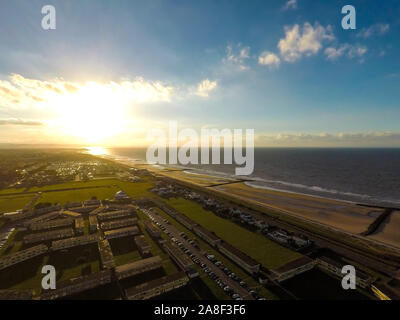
[{"x": 285, "y": 68}]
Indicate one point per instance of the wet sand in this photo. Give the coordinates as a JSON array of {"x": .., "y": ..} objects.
[{"x": 345, "y": 216}]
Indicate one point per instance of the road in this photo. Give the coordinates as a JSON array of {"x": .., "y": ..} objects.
[{"x": 174, "y": 233}]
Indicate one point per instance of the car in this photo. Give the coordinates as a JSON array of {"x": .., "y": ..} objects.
[
  {"x": 218, "y": 263},
  {"x": 235, "y": 295},
  {"x": 243, "y": 284},
  {"x": 202, "y": 265},
  {"x": 227, "y": 289}
]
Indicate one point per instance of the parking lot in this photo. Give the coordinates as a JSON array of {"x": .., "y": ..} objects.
[{"x": 222, "y": 276}]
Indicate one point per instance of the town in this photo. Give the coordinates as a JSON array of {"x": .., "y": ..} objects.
[{"x": 129, "y": 233}]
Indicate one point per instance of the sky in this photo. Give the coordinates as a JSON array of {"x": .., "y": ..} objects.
[{"x": 112, "y": 70}]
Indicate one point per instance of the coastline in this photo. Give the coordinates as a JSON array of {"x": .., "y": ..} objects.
[{"x": 351, "y": 218}]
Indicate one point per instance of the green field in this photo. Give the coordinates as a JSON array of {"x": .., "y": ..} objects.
[
  {"x": 63, "y": 197},
  {"x": 75, "y": 262},
  {"x": 13, "y": 203},
  {"x": 268, "y": 253}
]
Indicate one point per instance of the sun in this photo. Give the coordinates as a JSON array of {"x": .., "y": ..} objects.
[{"x": 93, "y": 113}]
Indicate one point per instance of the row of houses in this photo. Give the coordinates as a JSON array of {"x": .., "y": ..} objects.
[
  {"x": 181, "y": 259},
  {"x": 138, "y": 267},
  {"x": 51, "y": 224},
  {"x": 293, "y": 268},
  {"x": 48, "y": 235},
  {"x": 93, "y": 224},
  {"x": 152, "y": 229},
  {"x": 23, "y": 255},
  {"x": 76, "y": 285},
  {"x": 280, "y": 236},
  {"x": 42, "y": 218},
  {"x": 143, "y": 245},
  {"x": 73, "y": 242},
  {"x": 106, "y": 255},
  {"x": 104, "y": 216},
  {"x": 114, "y": 224},
  {"x": 157, "y": 287},
  {"x": 122, "y": 232}
]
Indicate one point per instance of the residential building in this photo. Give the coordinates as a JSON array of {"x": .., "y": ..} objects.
[
  {"x": 93, "y": 224},
  {"x": 137, "y": 267},
  {"x": 151, "y": 228},
  {"x": 79, "y": 226},
  {"x": 143, "y": 245},
  {"x": 242, "y": 259},
  {"x": 104, "y": 216},
  {"x": 106, "y": 255},
  {"x": 293, "y": 268},
  {"x": 122, "y": 232},
  {"x": 207, "y": 235},
  {"x": 114, "y": 224},
  {"x": 76, "y": 285},
  {"x": 157, "y": 287},
  {"x": 51, "y": 224},
  {"x": 73, "y": 242},
  {"x": 49, "y": 235},
  {"x": 22, "y": 255}
]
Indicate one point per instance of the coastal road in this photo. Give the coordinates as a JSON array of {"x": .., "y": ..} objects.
[{"x": 174, "y": 233}]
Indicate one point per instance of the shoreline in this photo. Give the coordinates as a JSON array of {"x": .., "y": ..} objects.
[
  {"x": 350, "y": 218},
  {"x": 212, "y": 176}
]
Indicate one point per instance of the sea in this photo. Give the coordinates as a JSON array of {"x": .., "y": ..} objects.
[{"x": 360, "y": 175}]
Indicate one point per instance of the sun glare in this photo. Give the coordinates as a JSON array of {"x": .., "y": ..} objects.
[
  {"x": 93, "y": 113},
  {"x": 97, "y": 151}
]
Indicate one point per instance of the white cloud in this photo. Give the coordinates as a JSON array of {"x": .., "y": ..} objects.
[
  {"x": 351, "y": 51},
  {"x": 291, "y": 4},
  {"x": 374, "y": 30},
  {"x": 269, "y": 59},
  {"x": 205, "y": 87},
  {"x": 236, "y": 57},
  {"x": 21, "y": 92},
  {"x": 307, "y": 41}
]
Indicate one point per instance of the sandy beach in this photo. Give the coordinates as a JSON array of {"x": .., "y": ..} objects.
[
  {"x": 336, "y": 214},
  {"x": 389, "y": 230}
]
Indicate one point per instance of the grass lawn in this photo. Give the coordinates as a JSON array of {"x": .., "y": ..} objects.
[
  {"x": 137, "y": 189},
  {"x": 25, "y": 275},
  {"x": 63, "y": 197},
  {"x": 13, "y": 203},
  {"x": 270, "y": 254},
  {"x": 75, "y": 262},
  {"x": 124, "y": 250}
]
